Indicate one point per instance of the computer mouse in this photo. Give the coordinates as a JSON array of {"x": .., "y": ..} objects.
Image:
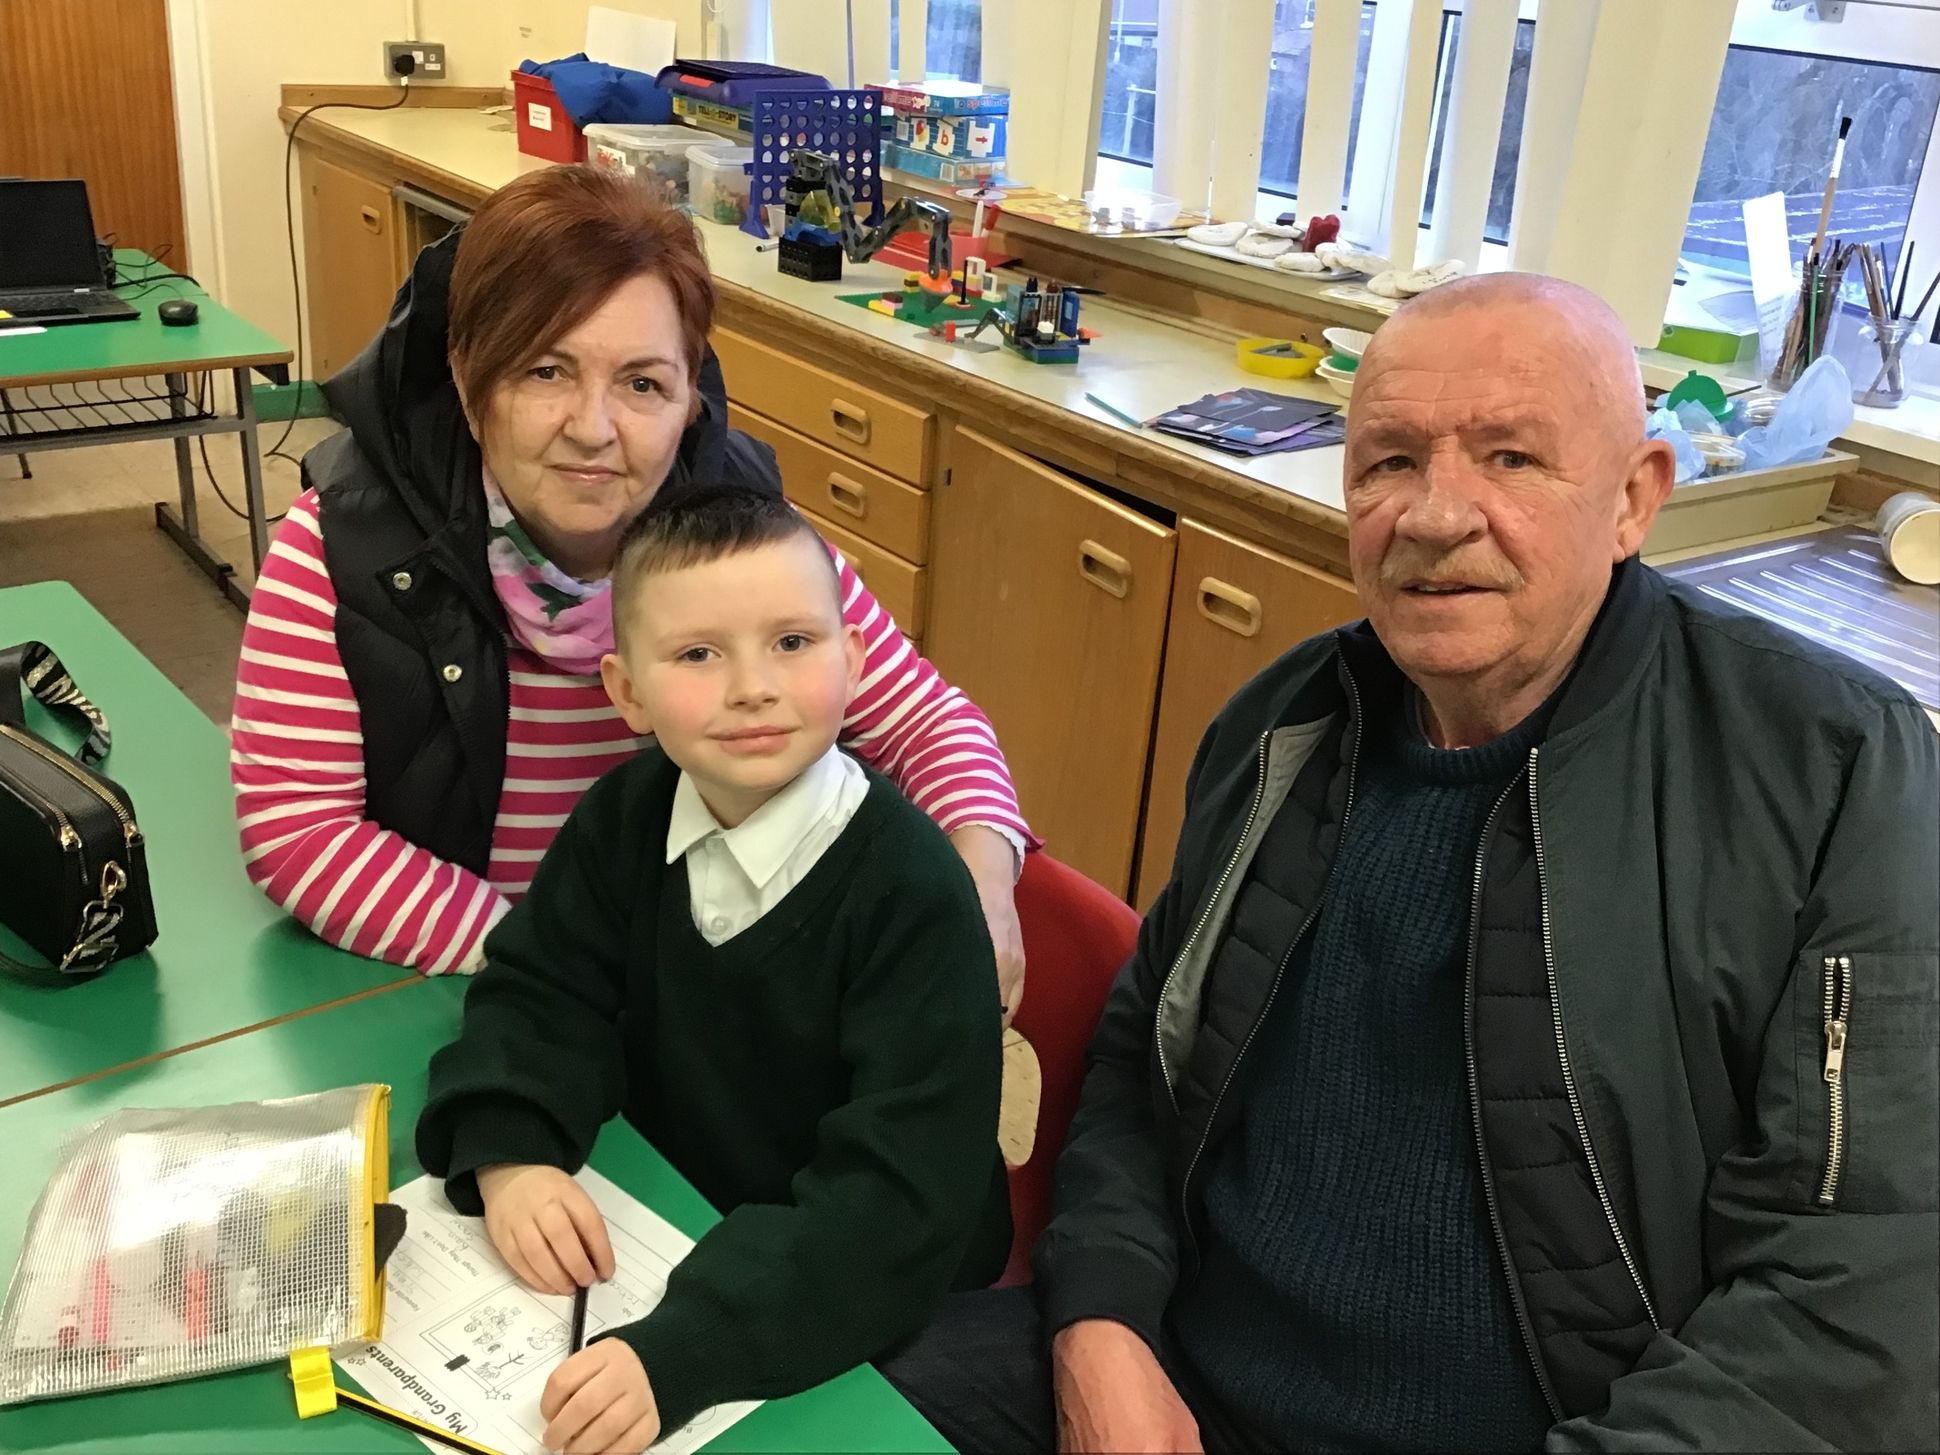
[{"x": 177, "y": 312}]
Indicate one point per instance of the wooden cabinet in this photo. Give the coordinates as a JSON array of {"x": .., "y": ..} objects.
[
  {"x": 1235, "y": 608},
  {"x": 880, "y": 509},
  {"x": 899, "y": 588},
  {"x": 350, "y": 262},
  {"x": 1048, "y": 607},
  {"x": 863, "y": 423}
]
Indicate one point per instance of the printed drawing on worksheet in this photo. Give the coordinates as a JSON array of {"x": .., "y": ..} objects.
[{"x": 469, "y": 1347}]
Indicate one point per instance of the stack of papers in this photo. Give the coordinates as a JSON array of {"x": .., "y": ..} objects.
[{"x": 1254, "y": 422}]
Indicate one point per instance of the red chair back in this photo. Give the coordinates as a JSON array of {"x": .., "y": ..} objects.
[{"x": 1077, "y": 934}]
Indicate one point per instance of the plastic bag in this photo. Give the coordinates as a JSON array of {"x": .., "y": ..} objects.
[
  {"x": 1814, "y": 412},
  {"x": 1696, "y": 419},
  {"x": 182, "y": 1242},
  {"x": 1665, "y": 425}
]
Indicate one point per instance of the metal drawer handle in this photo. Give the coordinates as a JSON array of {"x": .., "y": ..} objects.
[
  {"x": 1229, "y": 607},
  {"x": 1110, "y": 572},
  {"x": 372, "y": 221},
  {"x": 848, "y": 496},
  {"x": 849, "y": 421}
]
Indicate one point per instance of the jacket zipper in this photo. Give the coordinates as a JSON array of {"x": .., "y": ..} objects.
[
  {"x": 1259, "y": 797},
  {"x": 1838, "y": 1020},
  {"x": 1562, "y": 1048},
  {"x": 1279, "y": 974},
  {"x": 1475, "y": 1113},
  {"x": 129, "y": 832}
]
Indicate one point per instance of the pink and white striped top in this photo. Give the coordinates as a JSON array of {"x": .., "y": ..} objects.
[{"x": 296, "y": 758}]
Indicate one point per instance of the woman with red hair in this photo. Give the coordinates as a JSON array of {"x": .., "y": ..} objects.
[{"x": 418, "y": 704}]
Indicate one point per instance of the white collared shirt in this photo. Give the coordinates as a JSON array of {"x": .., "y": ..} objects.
[{"x": 735, "y": 876}]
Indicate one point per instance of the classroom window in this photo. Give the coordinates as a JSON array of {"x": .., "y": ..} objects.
[
  {"x": 1502, "y": 189},
  {"x": 1772, "y": 131},
  {"x": 954, "y": 46},
  {"x": 1131, "y": 83}
]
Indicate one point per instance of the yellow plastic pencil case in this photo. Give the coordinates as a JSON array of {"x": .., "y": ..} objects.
[{"x": 172, "y": 1243}]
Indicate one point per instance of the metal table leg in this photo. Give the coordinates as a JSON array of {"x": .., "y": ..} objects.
[
  {"x": 178, "y": 406},
  {"x": 6, "y": 407},
  {"x": 252, "y": 469}
]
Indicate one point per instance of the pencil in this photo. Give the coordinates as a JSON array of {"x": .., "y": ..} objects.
[
  {"x": 1115, "y": 412},
  {"x": 423, "y": 1428},
  {"x": 579, "y": 1320},
  {"x": 1906, "y": 271}
]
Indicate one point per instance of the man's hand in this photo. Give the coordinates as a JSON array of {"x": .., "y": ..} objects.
[
  {"x": 600, "y": 1401},
  {"x": 1113, "y": 1396},
  {"x": 545, "y": 1226},
  {"x": 993, "y": 866}
]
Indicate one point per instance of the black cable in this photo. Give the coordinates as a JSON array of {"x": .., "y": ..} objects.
[
  {"x": 202, "y": 448},
  {"x": 289, "y": 228}
]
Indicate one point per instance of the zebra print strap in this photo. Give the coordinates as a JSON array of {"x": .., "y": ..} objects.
[{"x": 34, "y": 666}]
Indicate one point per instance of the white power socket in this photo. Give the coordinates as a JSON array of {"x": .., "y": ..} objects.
[{"x": 427, "y": 59}]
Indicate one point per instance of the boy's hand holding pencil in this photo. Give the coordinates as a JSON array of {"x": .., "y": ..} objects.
[
  {"x": 545, "y": 1226},
  {"x": 600, "y": 1400}
]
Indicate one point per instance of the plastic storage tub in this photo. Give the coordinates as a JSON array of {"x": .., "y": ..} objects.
[
  {"x": 718, "y": 184},
  {"x": 656, "y": 156},
  {"x": 543, "y": 127}
]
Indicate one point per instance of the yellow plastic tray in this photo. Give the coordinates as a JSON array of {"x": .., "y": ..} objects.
[{"x": 1300, "y": 360}]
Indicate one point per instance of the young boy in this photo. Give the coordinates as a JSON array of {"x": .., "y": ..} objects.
[{"x": 775, "y": 965}]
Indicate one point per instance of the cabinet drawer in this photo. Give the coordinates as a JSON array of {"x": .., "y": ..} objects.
[
  {"x": 902, "y": 588},
  {"x": 882, "y": 511},
  {"x": 862, "y": 423},
  {"x": 1235, "y": 608}
]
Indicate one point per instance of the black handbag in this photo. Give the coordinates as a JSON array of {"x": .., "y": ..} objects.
[{"x": 73, "y": 867}]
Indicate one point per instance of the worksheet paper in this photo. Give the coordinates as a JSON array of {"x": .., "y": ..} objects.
[{"x": 469, "y": 1347}]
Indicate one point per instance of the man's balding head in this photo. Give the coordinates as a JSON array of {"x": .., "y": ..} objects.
[
  {"x": 1496, "y": 471},
  {"x": 1567, "y": 316}
]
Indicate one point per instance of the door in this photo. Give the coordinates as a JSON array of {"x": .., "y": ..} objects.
[
  {"x": 350, "y": 263},
  {"x": 1235, "y": 608},
  {"x": 85, "y": 91},
  {"x": 1047, "y": 606}
]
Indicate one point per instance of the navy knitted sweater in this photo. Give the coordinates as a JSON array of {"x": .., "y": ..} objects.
[{"x": 1350, "y": 1296}]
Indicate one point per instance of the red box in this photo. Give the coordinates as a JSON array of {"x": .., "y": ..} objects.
[{"x": 545, "y": 130}]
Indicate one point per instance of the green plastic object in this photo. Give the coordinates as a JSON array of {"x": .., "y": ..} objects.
[
  {"x": 1706, "y": 345},
  {"x": 1702, "y": 388}
]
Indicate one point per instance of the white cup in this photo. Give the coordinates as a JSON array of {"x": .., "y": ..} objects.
[{"x": 1909, "y": 529}]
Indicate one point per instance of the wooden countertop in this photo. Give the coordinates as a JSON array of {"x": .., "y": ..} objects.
[{"x": 1141, "y": 364}]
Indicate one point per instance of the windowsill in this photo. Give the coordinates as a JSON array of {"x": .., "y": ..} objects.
[{"x": 1911, "y": 432}]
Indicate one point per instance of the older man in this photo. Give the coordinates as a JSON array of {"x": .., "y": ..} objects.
[{"x": 1536, "y": 1043}]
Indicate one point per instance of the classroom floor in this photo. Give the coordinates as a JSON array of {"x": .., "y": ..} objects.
[{"x": 88, "y": 517}]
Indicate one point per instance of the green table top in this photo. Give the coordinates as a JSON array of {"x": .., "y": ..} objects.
[
  {"x": 390, "y": 1039},
  {"x": 226, "y": 957},
  {"x": 218, "y": 339}
]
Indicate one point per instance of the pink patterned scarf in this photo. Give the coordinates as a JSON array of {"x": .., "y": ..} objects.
[{"x": 564, "y": 621}]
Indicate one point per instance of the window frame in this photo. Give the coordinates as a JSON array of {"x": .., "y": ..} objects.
[{"x": 1876, "y": 34}]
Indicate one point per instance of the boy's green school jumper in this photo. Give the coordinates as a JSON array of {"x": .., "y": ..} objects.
[{"x": 828, "y": 1079}]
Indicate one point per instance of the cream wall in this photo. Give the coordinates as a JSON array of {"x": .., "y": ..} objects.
[{"x": 250, "y": 50}]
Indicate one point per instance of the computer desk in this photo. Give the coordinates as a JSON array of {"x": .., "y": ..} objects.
[{"x": 95, "y": 384}]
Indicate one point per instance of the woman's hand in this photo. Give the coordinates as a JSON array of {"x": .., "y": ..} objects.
[
  {"x": 545, "y": 1226},
  {"x": 993, "y": 865},
  {"x": 600, "y": 1401}
]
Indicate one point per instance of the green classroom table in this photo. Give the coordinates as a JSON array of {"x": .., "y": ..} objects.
[
  {"x": 389, "y": 1039},
  {"x": 226, "y": 958},
  {"x": 109, "y": 383}
]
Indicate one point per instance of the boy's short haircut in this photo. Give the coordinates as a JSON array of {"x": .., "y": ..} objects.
[{"x": 703, "y": 527}]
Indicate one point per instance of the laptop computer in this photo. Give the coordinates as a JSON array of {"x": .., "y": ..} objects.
[{"x": 50, "y": 268}]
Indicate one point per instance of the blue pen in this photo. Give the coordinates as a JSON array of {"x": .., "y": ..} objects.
[{"x": 1115, "y": 412}]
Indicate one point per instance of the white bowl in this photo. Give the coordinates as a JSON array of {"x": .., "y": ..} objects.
[
  {"x": 1341, "y": 380},
  {"x": 1349, "y": 341}
]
